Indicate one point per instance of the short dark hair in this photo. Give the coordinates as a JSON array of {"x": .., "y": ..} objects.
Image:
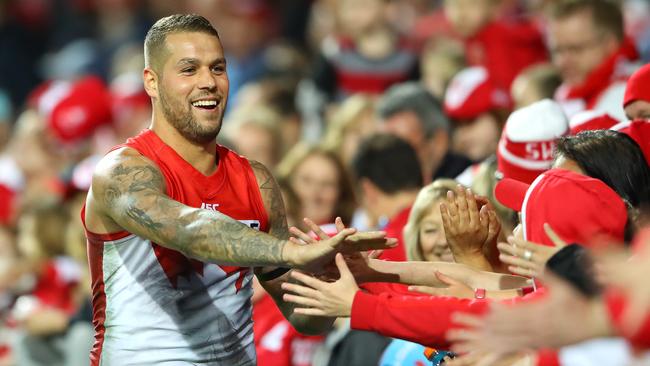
[
  {"x": 388, "y": 162},
  {"x": 154, "y": 42},
  {"x": 615, "y": 159},
  {"x": 606, "y": 14},
  {"x": 414, "y": 97}
]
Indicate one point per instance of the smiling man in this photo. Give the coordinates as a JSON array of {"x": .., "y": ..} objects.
[{"x": 175, "y": 222}]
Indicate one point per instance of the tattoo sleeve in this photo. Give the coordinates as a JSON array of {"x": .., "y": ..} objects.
[
  {"x": 130, "y": 190},
  {"x": 272, "y": 197}
]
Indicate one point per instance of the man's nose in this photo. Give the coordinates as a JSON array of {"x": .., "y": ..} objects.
[{"x": 207, "y": 80}]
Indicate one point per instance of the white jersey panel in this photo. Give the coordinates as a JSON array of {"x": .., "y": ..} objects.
[{"x": 203, "y": 320}]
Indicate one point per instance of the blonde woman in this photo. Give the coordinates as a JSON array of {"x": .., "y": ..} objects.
[{"x": 424, "y": 235}]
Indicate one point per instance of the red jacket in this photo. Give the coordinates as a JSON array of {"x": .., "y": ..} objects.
[
  {"x": 424, "y": 319},
  {"x": 505, "y": 48}
]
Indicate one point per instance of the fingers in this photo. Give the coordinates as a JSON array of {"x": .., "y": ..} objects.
[
  {"x": 301, "y": 300},
  {"x": 553, "y": 236},
  {"x": 342, "y": 266},
  {"x": 310, "y": 311},
  {"x": 375, "y": 254},
  {"x": 300, "y": 290},
  {"x": 368, "y": 241},
  {"x": 472, "y": 209},
  {"x": 316, "y": 229},
  {"x": 446, "y": 279},
  {"x": 301, "y": 235},
  {"x": 308, "y": 280},
  {"x": 461, "y": 202},
  {"x": 428, "y": 290},
  {"x": 451, "y": 204},
  {"x": 468, "y": 320},
  {"x": 339, "y": 223},
  {"x": 494, "y": 226}
]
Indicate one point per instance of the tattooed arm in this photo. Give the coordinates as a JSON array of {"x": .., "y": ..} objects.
[
  {"x": 127, "y": 193},
  {"x": 272, "y": 197}
]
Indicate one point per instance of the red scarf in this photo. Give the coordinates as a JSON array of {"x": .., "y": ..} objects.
[{"x": 601, "y": 77}]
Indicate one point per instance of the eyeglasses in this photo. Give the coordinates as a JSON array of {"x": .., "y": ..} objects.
[{"x": 576, "y": 48}]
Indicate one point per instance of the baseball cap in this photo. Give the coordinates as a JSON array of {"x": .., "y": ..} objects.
[
  {"x": 472, "y": 93},
  {"x": 637, "y": 86},
  {"x": 580, "y": 209},
  {"x": 528, "y": 140},
  {"x": 591, "y": 120}
]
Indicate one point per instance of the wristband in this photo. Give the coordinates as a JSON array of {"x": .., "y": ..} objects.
[
  {"x": 271, "y": 275},
  {"x": 479, "y": 293}
]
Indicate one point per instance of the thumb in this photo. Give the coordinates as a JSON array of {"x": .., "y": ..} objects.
[
  {"x": 342, "y": 266},
  {"x": 445, "y": 279},
  {"x": 339, "y": 223}
]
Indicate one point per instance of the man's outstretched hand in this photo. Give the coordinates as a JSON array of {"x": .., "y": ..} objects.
[{"x": 317, "y": 255}]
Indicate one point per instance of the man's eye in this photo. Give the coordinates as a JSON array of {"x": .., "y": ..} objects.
[
  {"x": 188, "y": 70},
  {"x": 218, "y": 69}
]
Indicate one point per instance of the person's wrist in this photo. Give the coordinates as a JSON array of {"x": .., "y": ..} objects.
[{"x": 290, "y": 256}]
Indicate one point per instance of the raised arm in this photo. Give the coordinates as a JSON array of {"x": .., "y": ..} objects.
[
  {"x": 128, "y": 190},
  {"x": 272, "y": 198},
  {"x": 423, "y": 273}
]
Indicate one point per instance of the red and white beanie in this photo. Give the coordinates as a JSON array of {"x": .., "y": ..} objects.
[
  {"x": 528, "y": 140},
  {"x": 591, "y": 120},
  {"x": 471, "y": 93}
]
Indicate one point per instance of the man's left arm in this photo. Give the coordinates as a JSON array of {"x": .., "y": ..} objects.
[{"x": 277, "y": 218}]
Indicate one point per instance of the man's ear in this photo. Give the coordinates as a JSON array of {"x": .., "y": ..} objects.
[{"x": 150, "y": 80}]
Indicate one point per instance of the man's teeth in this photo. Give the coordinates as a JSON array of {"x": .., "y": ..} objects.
[{"x": 205, "y": 103}]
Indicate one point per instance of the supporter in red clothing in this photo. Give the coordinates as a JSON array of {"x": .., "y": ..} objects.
[
  {"x": 393, "y": 315},
  {"x": 277, "y": 343},
  {"x": 637, "y": 95},
  {"x": 367, "y": 55},
  {"x": 388, "y": 173},
  {"x": 478, "y": 109},
  {"x": 503, "y": 47},
  {"x": 528, "y": 140},
  {"x": 589, "y": 48}
]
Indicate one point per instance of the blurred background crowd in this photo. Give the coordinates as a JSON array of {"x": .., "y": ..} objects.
[{"x": 356, "y": 105}]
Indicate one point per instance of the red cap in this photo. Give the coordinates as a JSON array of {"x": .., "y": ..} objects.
[
  {"x": 74, "y": 110},
  {"x": 638, "y": 86},
  {"x": 639, "y": 131},
  {"x": 591, "y": 120},
  {"x": 580, "y": 209},
  {"x": 528, "y": 140},
  {"x": 472, "y": 93}
]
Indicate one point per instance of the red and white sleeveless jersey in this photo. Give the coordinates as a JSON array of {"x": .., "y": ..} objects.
[{"x": 153, "y": 305}]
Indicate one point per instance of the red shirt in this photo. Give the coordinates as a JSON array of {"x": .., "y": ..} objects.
[
  {"x": 505, "y": 48},
  {"x": 277, "y": 343},
  {"x": 424, "y": 319},
  {"x": 394, "y": 229}
]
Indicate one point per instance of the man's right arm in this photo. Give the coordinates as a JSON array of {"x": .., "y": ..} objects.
[{"x": 129, "y": 190}]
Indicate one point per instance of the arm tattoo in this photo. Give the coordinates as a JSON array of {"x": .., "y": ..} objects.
[
  {"x": 272, "y": 197},
  {"x": 132, "y": 193}
]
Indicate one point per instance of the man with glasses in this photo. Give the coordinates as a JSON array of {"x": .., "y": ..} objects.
[{"x": 592, "y": 54}]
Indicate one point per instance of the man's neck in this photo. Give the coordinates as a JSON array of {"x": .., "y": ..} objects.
[
  {"x": 203, "y": 157},
  {"x": 395, "y": 203}
]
